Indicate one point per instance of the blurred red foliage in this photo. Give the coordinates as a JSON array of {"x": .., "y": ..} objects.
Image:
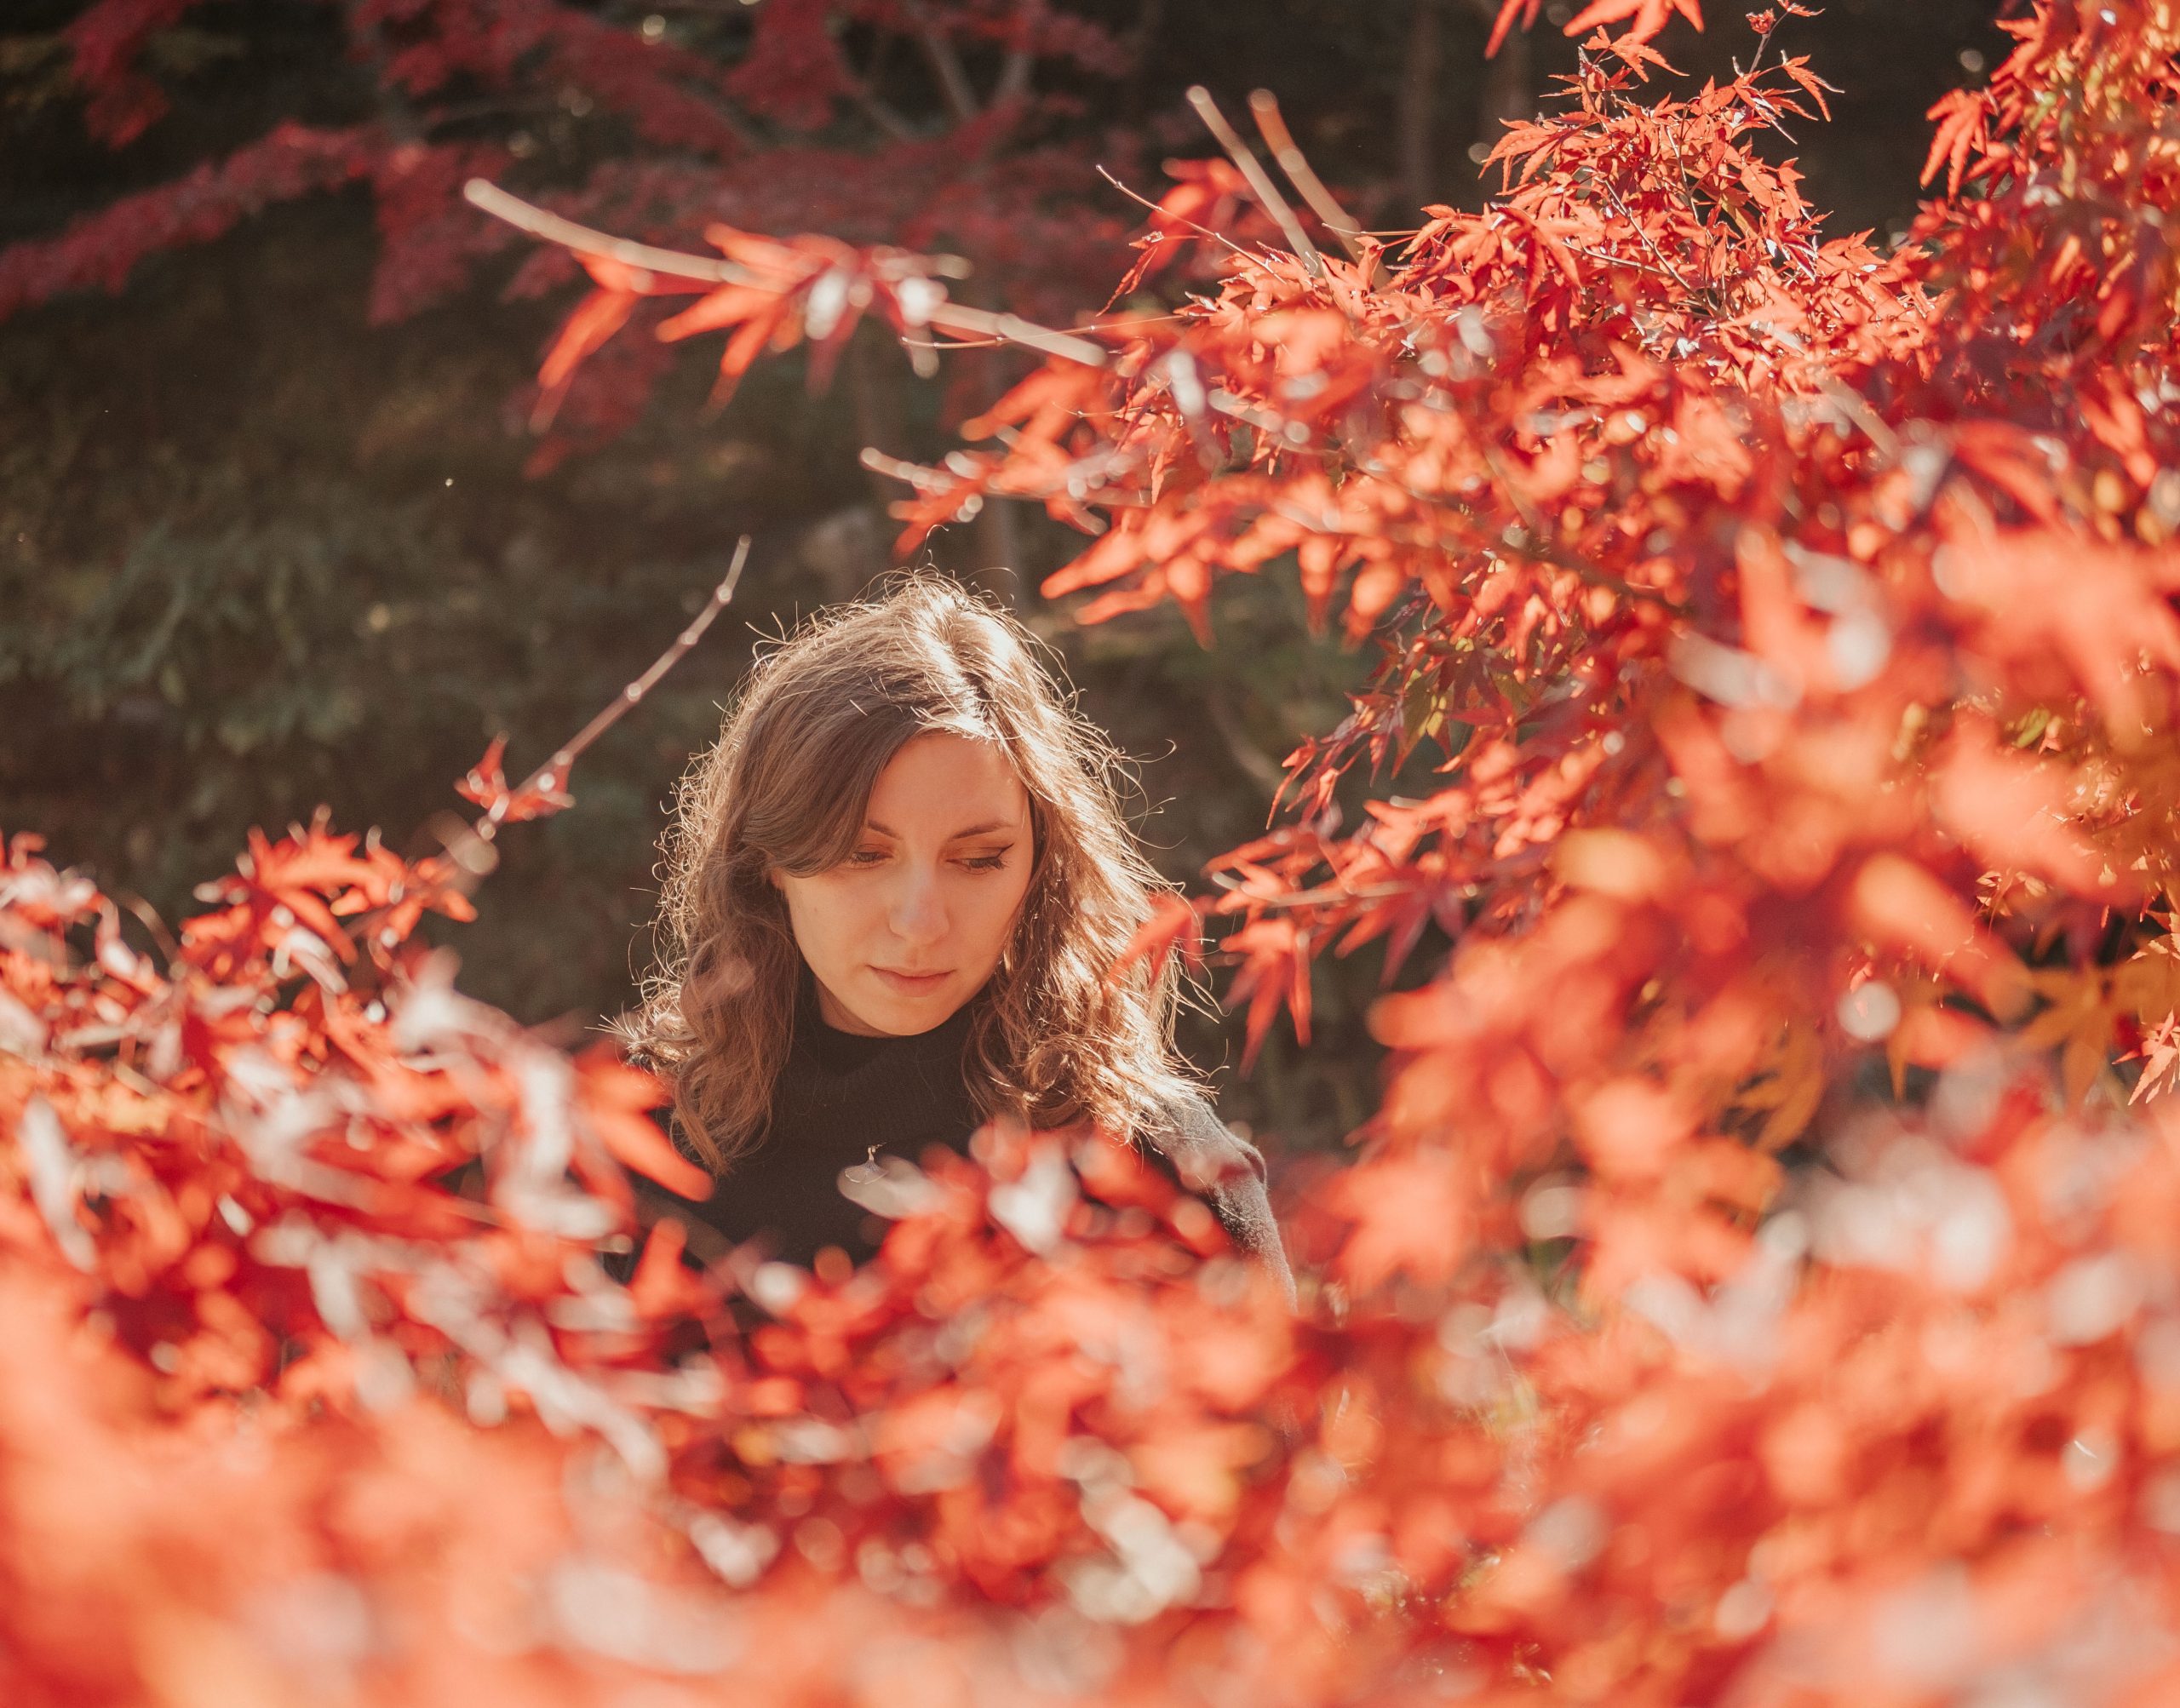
[{"x": 1762, "y": 1283}]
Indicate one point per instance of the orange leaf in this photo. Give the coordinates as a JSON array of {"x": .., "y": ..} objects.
[
  {"x": 613, "y": 1098},
  {"x": 1649, "y": 16},
  {"x": 596, "y": 319},
  {"x": 1414, "y": 1214},
  {"x": 1504, "y": 25},
  {"x": 1907, "y": 911}
]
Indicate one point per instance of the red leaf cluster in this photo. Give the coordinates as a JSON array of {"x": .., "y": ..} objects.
[
  {"x": 1759, "y": 1283},
  {"x": 105, "y": 41}
]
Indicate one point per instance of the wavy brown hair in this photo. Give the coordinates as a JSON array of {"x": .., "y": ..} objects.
[{"x": 1055, "y": 1037}]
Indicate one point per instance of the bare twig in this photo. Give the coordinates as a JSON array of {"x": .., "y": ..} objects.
[
  {"x": 1762, "y": 42},
  {"x": 551, "y": 778},
  {"x": 1856, "y": 408},
  {"x": 1202, "y": 231},
  {"x": 1610, "y": 260},
  {"x": 1260, "y": 181},
  {"x": 149, "y": 918},
  {"x": 1265, "y": 106}
]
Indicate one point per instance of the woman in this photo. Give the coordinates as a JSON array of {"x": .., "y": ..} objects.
[{"x": 895, "y": 892}]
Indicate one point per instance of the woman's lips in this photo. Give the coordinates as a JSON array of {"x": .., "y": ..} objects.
[{"x": 913, "y": 984}]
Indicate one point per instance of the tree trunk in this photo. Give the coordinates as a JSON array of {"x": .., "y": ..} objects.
[
  {"x": 1140, "y": 40},
  {"x": 999, "y": 568},
  {"x": 1508, "y": 91},
  {"x": 1418, "y": 101},
  {"x": 874, "y": 378}
]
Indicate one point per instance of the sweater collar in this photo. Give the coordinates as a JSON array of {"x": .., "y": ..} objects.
[{"x": 836, "y": 1058}]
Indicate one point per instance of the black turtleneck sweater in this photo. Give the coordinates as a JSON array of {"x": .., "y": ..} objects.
[{"x": 841, "y": 1097}]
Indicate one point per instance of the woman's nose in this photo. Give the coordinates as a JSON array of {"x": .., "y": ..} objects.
[{"x": 919, "y": 911}]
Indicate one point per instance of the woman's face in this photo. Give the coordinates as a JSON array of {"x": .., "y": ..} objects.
[{"x": 909, "y": 925}]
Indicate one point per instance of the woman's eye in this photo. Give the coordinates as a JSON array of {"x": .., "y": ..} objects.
[
  {"x": 986, "y": 863},
  {"x": 866, "y": 857}
]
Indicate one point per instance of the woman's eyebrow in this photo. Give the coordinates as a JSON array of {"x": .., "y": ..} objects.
[{"x": 984, "y": 829}]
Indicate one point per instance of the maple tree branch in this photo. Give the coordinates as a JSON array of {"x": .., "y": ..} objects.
[
  {"x": 878, "y": 111},
  {"x": 551, "y": 778},
  {"x": 1202, "y": 231},
  {"x": 1649, "y": 242},
  {"x": 1150, "y": 15},
  {"x": 947, "y": 316},
  {"x": 1850, "y": 404},
  {"x": 1693, "y": 200},
  {"x": 1013, "y": 329},
  {"x": 148, "y": 917},
  {"x": 1260, "y": 180},
  {"x": 1536, "y": 542},
  {"x": 1263, "y": 770},
  {"x": 945, "y": 64},
  {"x": 1533, "y": 543},
  {"x": 539, "y": 222},
  {"x": 1611, "y": 259},
  {"x": 1021, "y": 60},
  {"x": 1263, "y": 106},
  {"x": 1415, "y": 112},
  {"x": 1763, "y": 42},
  {"x": 396, "y": 112},
  {"x": 1013, "y": 77},
  {"x": 1326, "y": 895}
]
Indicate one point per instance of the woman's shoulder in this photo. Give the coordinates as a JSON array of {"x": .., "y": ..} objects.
[
  {"x": 1223, "y": 1168},
  {"x": 1183, "y": 1128}
]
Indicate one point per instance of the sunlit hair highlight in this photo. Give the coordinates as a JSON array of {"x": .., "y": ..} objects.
[{"x": 1055, "y": 1036}]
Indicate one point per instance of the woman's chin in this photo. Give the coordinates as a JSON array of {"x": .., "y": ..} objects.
[{"x": 893, "y": 1015}]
